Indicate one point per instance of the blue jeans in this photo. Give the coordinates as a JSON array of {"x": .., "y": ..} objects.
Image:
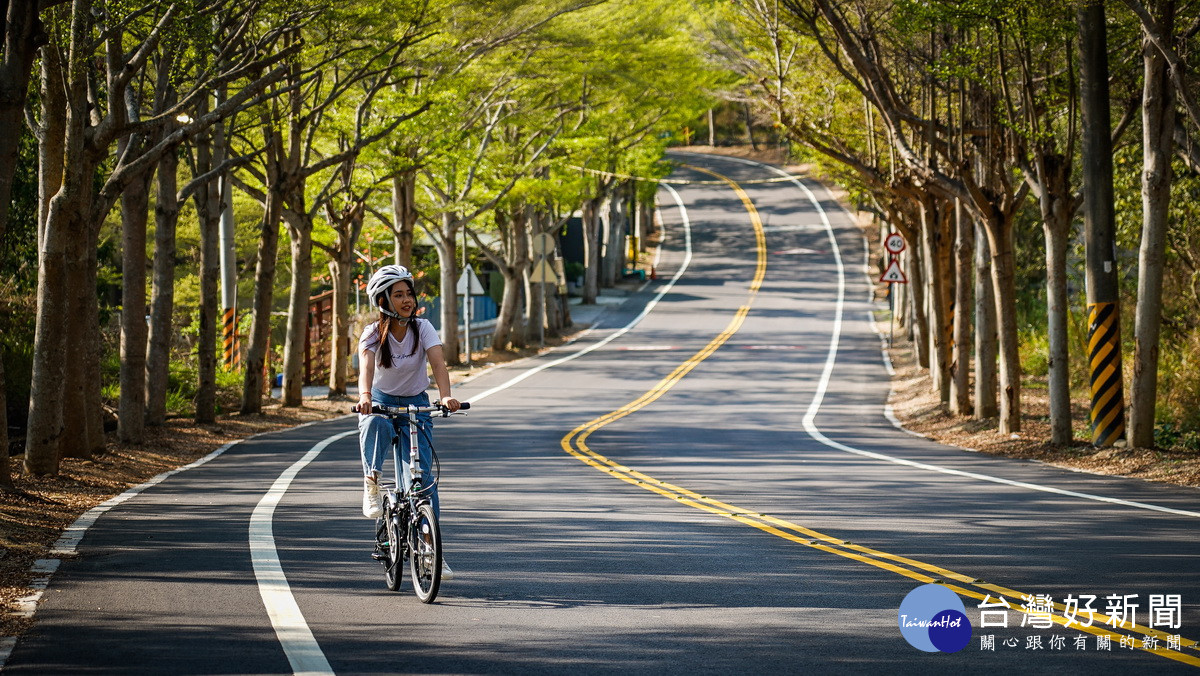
[{"x": 375, "y": 435}]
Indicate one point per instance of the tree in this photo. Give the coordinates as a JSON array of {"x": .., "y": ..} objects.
[
  {"x": 92, "y": 125},
  {"x": 347, "y": 50},
  {"x": 24, "y": 34},
  {"x": 1158, "y": 138}
]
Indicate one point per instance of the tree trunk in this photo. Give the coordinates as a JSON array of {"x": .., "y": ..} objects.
[
  {"x": 960, "y": 367},
  {"x": 51, "y": 147},
  {"x": 986, "y": 405},
  {"x": 66, "y": 219},
  {"x": 44, "y": 434},
  {"x": 518, "y": 264},
  {"x": 712, "y": 130},
  {"x": 339, "y": 273},
  {"x": 447, "y": 250},
  {"x": 264, "y": 298},
  {"x": 1158, "y": 124},
  {"x": 208, "y": 210},
  {"x": 404, "y": 188},
  {"x": 934, "y": 250},
  {"x": 916, "y": 287},
  {"x": 614, "y": 237},
  {"x": 944, "y": 285},
  {"x": 162, "y": 297},
  {"x": 591, "y": 250},
  {"x": 749, "y": 125},
  {"x": 341, "y": 267},
  {"x": 1055, "y": 203},
  {"x": 90, "y": 347},
  {"x": 83, "y": 424},
  {"x": 23, "y": 34},
  {"x": 76, "y": 347},
  {"x": 131, "y": 410},
  {"x": 509, "y": 303},
  {"x": 300, "y": 234},
  {"x": 51, "y": 163},
  {"x": 1003, "y": 273}
]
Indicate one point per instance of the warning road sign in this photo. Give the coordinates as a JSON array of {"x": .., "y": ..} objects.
[
  {"x": 893, "y": 274},
  {"x": 894, "y": 243},
  {"x": 543, "y": 273}
]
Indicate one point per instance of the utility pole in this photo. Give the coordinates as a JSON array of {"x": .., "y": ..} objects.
[
  {"x": 1103, "y": 299},
  {"x": 466, "y": 277},
  {"x": 227, "y": 250}
]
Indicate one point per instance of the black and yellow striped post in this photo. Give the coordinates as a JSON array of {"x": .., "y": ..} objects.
[
  {"x": 1104, "y": 357},
  {"x": 237, "y": 343},
  {"x": 228, "y": 330}
]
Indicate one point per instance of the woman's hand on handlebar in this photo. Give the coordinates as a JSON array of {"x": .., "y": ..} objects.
[
  {"x": 364, "y": 403},
  {"x": 450, "y": 403}
]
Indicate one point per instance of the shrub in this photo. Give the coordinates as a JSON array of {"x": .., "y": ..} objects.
[{"x": 1034, "y": 351}]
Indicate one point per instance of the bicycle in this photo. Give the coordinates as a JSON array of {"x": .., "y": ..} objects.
[{"x": 408, "y": 529}]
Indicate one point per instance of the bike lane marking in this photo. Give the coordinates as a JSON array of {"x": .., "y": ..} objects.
[
  {"x": 574, "y": 443},
  {"x": 299, "y": 644}
]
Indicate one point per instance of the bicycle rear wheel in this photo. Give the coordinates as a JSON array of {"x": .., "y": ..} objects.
[
  {"x": 425, "y": 547},
  {"x": 393, "y": 564}
]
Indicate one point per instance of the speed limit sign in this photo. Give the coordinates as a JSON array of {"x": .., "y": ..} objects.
[{"x": 894, "y": 243}]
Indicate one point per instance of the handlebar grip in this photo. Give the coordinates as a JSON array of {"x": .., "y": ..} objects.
[{"x": 464, "y": 406}]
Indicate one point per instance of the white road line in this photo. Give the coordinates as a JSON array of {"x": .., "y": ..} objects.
[
  {"x": 297, "y": 639},
  {"x": 687, "y": 259},
  {"x": 67, "y": 543},
  {"x": 814, "y": 406}
]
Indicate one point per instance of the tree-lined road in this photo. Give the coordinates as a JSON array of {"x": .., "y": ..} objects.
[{"x": 714, "y": 489}]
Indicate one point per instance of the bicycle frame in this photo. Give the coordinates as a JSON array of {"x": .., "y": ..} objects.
[{"x": 410, "y": 492}]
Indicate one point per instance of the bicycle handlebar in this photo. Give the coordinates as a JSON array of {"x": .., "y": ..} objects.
[{"x": 379, "y": 409}]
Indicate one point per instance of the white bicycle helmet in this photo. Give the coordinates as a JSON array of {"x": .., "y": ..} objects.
[{"x": 381, "y": 281}]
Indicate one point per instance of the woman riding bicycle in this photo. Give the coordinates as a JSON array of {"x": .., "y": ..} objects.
[{"x": 394, "y": 372}]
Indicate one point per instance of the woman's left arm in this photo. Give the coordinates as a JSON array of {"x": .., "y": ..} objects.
[{"x": 441, "y": 376}]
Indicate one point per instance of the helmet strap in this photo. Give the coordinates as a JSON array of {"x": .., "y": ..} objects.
[{"x": 388, "y": 312}]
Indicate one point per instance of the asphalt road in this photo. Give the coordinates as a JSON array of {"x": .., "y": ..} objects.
[{"x": 715, "y": 489}]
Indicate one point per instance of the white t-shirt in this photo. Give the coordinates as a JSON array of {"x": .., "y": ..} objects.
[{"x": 408, "y": 374}]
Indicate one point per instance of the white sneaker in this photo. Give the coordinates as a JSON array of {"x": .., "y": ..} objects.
[
  {"x": 447, "y": 574},
  {"x": 372, "y": 507}
]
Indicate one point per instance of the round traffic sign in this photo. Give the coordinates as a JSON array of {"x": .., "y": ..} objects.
[
  {"x": 894, "y": 243},
  {"x": 543, "y": 244}
]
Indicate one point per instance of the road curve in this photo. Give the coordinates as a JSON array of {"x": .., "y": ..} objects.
[{"x": 714, "y": 488}]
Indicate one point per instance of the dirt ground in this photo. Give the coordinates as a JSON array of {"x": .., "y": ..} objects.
[
  {"x": 32, "y": 522},
  {"x": 919, "y": 409}
]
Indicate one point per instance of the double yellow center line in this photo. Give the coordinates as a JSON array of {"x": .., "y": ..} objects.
[{"x": 575, "y": 444}]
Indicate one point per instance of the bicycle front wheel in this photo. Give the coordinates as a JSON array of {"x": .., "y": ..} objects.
[
  {"x": 393, "y": 565},
  {"x": 425, "y": 547}
]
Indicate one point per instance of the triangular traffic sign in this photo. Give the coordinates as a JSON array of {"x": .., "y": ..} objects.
[
  {"x": 476, "y": 286},
  {"x": 893, "y": 274},
  {"x": 543, "y": 273}
]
